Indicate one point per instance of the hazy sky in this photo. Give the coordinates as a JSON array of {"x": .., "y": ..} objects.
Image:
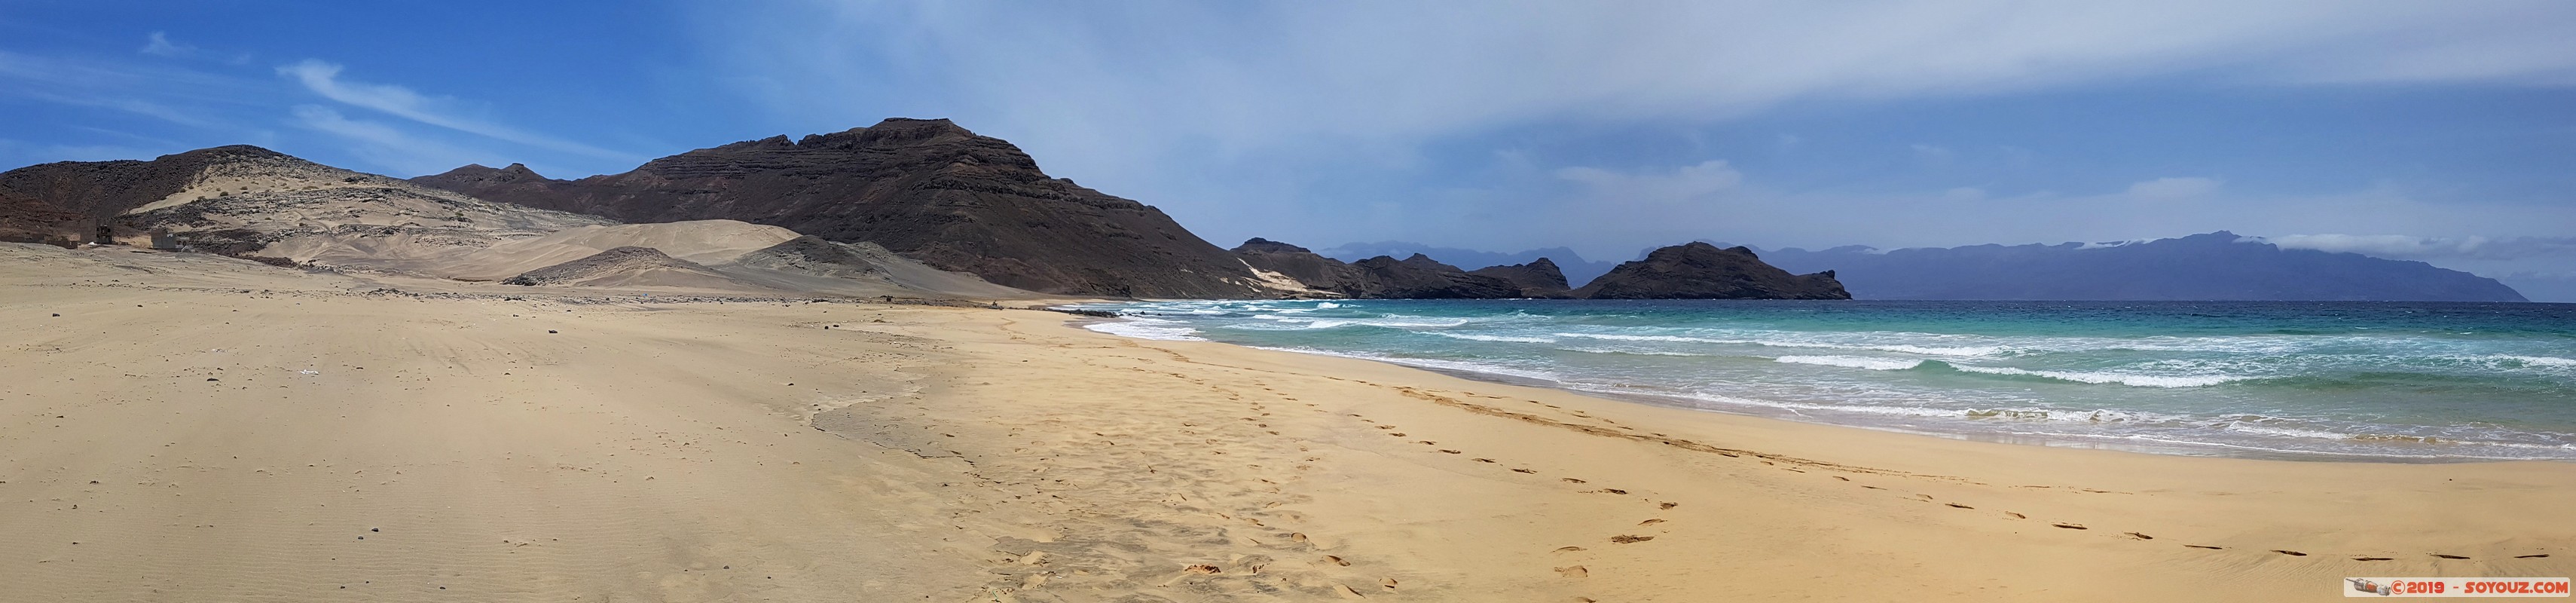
[{"x": 2441, "y": 131}]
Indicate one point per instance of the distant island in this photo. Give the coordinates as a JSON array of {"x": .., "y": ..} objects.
[{"x": 2213, "y": 266}]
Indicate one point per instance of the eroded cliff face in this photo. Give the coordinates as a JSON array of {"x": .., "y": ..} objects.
[
  {"x": 1702, "y": 271},
  {"x": 926, "y": 189}
]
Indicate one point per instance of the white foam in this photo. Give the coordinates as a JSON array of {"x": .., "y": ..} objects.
[
  {"x": 1147, "y": 328},
  {"x": 1637, "y": 352},
  {"x": 1434, "y": 363},
  {"x": 2105, "y": 378},
  {"x": 1503, "y": 338},
  {"x": 2529, "y": 361},
  {"x": 1987, "y": 350},
  {"x": 1875, "y": 364},
  {"x": 1326, "y": 305}
]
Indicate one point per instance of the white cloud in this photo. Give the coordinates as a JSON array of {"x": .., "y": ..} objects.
[
  {"x": 1255, "y": 75},
  {"x": 159, "y": 44},
  {"x": 1685, "y": 183},
  {"x": 387, "y": 147},
  {"x": 2418, "y": 247},
  {"x": 2174, "y": 188},
  {"x": 324, "y": 79}
]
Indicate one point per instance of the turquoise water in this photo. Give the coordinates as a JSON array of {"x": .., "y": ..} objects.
[{"x": 2353, "y": 381}]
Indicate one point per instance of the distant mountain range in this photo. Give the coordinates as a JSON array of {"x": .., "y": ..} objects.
[
  {"x": 926, "y": 205},
  {"x": 2213, "y": 266}
]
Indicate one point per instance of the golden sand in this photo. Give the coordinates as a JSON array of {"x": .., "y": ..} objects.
[{"x": 198, "y": 429}]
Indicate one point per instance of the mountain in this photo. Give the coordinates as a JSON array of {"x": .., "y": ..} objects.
[
  {"x": 1315, "y": 272},
  {"x": 2213, "y": 266},
  {"x": 68, "y": 200},
  {"x": 1538, "y": 279},
  {"x": 1699, "y": 270},
  {"x": 252, "y": 202},
  {"x": 1384, "y": 277},
  {"x": 1575, "y": 268},
  {"x": 255, "y": 203},
  {"x": 1420, "y": 277},
  {"x": 926, "y": 189}
]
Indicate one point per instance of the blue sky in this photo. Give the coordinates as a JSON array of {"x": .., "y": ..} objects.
[{"x": 2444, "y": 132}]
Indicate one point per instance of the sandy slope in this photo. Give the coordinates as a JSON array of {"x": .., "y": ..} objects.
[{"x": 743, "y": 452}]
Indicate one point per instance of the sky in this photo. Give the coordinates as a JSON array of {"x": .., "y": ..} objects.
[{"x": 2436, "y": 131}]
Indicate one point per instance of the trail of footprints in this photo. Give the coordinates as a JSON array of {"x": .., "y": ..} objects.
[
  {"x": 1578, "y": 571},
  {"x": 1107, "y": 547}
]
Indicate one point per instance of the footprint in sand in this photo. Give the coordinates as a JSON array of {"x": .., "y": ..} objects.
[
  {"x": 1570, "y": 480},
  {"x": 2446, "y": 556},
  {"x": 1958, "y": 506},
  {"x": 2371, "y": 558},
  {"x": 2137, "y": 536},
  {"x": 1573, "y": 571},
  {"x": 2071, "y": 526},
  {"x": 1484, "y": 460},
  {"x": 1626, "y": 539},
  {"x": 2539, "y": 556},
  {"x": 1568, "y": 549},
  {"x": 1335, "y": 560},
  {"x": 1668, "y": 505},
  {"x": 1524, "y": 471},
  {"x": 2015, "y": 515},
  {"x": 2286, "y": 552},
  {"x": 2204, "y": 546},
  {"x": 1451, "y": 451},
  {"x": 1650, "y": 522}
]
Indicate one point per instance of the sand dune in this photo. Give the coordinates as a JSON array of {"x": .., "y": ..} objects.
[{"x": 195, "y": 428}]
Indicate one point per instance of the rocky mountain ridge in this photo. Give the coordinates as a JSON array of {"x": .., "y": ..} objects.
[{"x": 926, "y": 189}]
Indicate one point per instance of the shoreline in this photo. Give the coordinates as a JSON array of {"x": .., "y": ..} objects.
[{"x": 1966, "y": 431}]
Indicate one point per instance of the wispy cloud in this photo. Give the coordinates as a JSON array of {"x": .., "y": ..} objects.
[
  {"x": 324, "y": 79},
  {"x": 2417, "y": 247},
  {"x": 159, "y": 44},
  {"x": 1680, "y": 184},
  {"x": 385, "y": 146},
  {"x": 2174, "y": 188}
]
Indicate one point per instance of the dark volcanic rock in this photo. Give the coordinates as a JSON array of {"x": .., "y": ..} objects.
[
  {"x": 1702, "y": 271},
  {"x": 1537, "y": 279},
  {"x": 810, "y": 254},
  {"x": 1315, "y": 271},
  {"x": 1420, "y": 277},
  {"x": 926, "y": 189},
  {"x": 69, "y": 199},
  {"x": 1382, "y": 277},
  {"x": 623, "y": 266}
]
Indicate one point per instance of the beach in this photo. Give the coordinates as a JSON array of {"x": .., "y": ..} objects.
[{"x": 187, "y": 428}]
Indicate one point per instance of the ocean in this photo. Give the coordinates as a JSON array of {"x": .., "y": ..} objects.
[{"x": 2296, "y": 380}]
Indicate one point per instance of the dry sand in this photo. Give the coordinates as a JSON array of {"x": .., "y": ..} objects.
[{"x": 162, "y": 440}]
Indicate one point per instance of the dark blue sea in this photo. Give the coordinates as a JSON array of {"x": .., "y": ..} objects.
[{"x": 2321, "y": 380}]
